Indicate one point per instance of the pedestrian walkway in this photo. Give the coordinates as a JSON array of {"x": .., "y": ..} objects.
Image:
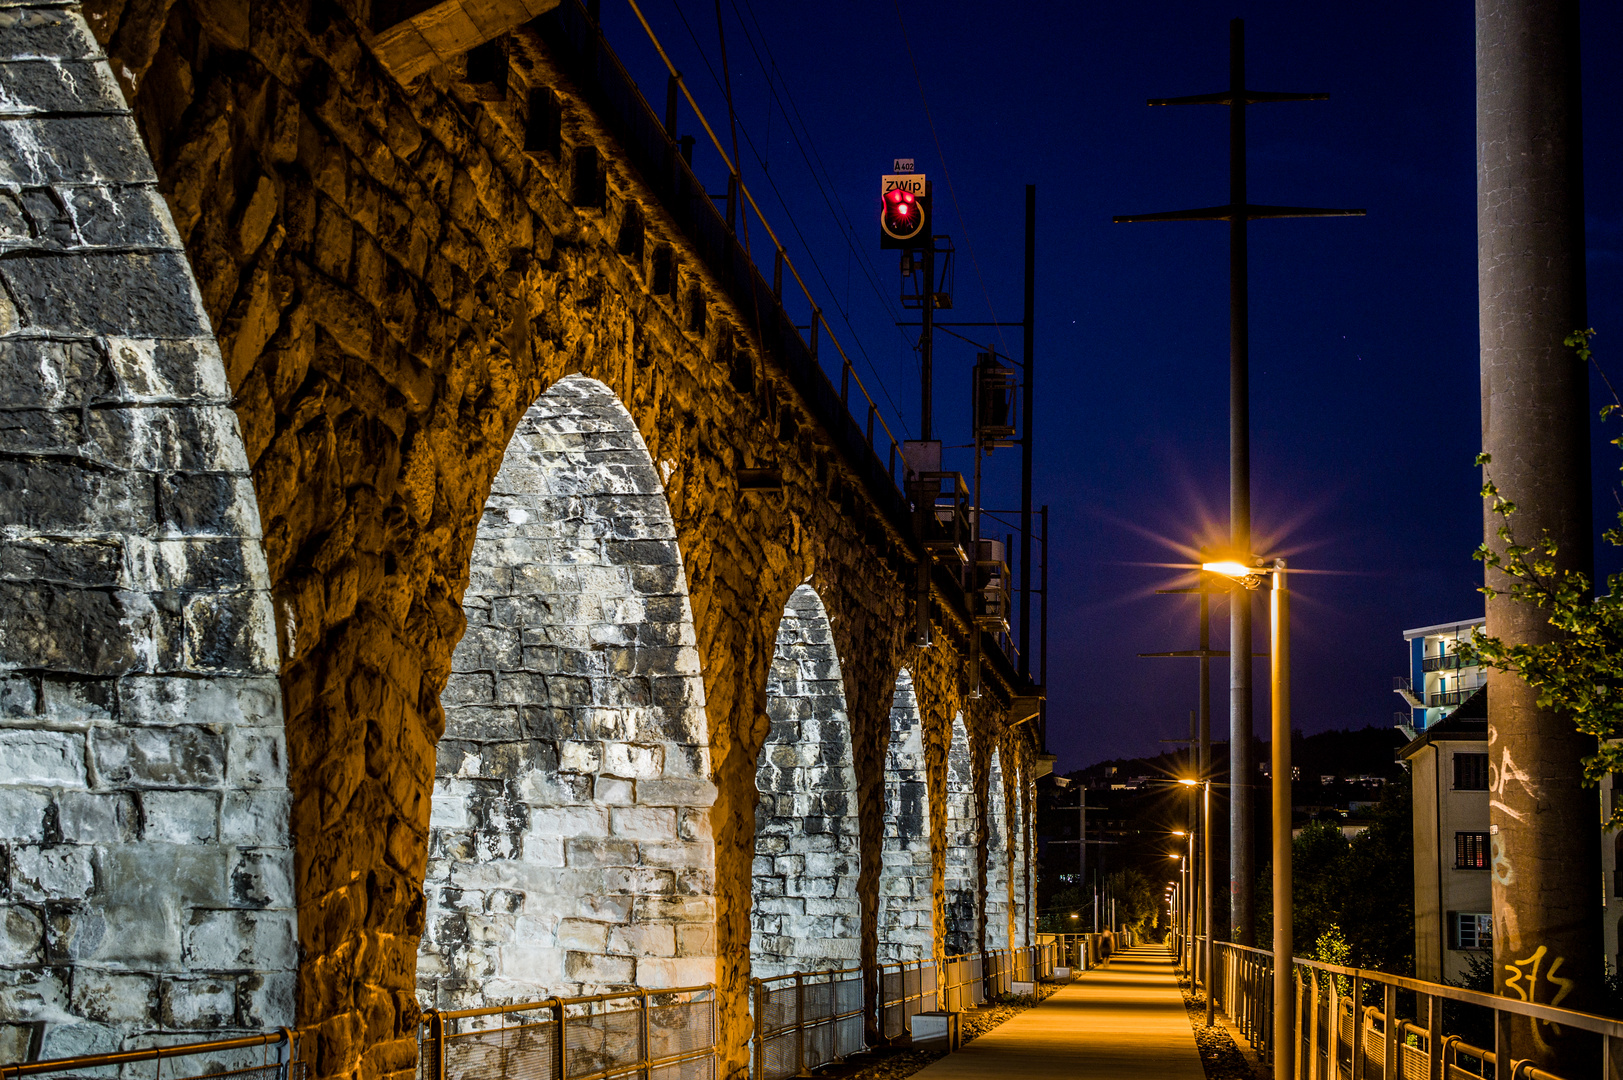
[{"x": 1122, "y": 1022}]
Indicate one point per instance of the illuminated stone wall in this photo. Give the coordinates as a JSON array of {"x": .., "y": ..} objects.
[
  {"x": 569, "y": 848},
  {"x": 805, "y": 914},
  {"x": 962, "y": 885},
  {"x": 146, "y": 883},
  {"x": 999, "y": 884},
  {"x": 1020, "y": 859},
  {"x": 395, "y": 281},
  {"x": 906, "y": 927}
]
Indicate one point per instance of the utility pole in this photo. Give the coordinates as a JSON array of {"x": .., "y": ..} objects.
[
  {"x": 1238, "y": 213},
  {"x": 1027, "y": 383},
  {"x": 1535, "y": 426}
]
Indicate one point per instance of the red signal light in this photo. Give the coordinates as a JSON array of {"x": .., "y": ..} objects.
[{"x": 904, "y": 218}]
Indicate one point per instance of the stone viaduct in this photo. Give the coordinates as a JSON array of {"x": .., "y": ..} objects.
[{"x": 393, "y": 614}]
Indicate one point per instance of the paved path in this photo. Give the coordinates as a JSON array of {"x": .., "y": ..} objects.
[{"x": 1122, "y": 1022}]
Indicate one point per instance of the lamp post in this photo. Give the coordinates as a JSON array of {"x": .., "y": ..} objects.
[
  {"x": 1250, "y": 575},
  {"x": 1205, "y": 964}
]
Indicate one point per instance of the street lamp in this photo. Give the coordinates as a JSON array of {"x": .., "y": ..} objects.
[
  {"x": 1205, "y": 889},
  {"x": 1250, "y": 576}
]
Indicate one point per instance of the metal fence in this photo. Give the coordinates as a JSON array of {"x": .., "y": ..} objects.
[
  {"x": 810, "y": 1019},
  {"x": 1356, "y": 1024},
  {"x": 650, "y": 1034},
  {"x": 269, "y": 1056},
  {"x": 803, "y": 1021}
]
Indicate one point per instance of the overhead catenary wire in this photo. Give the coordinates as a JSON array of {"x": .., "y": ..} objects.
[
  {"x": 825, "y": 181},
  {"x": 749, "y": 196},
  {"x": 794, "y": 223},
  {"x": 941, "y": 154}
]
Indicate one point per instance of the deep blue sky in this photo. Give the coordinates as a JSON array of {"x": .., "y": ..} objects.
[{"x": 1365, "y": 405}]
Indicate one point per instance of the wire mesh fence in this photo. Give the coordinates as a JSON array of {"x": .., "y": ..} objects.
[{"x": 651, "y": 1034}]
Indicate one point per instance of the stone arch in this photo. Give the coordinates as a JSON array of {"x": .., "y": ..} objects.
[
  {"x": 570, "y": 849},
  {"x": 962, "y": 869},
  {"x": 999, "y": 878},
  {"x": 806, "y": 914},
  {"x": 906, "y": 894},
  {"x": 145, "y": 870}
]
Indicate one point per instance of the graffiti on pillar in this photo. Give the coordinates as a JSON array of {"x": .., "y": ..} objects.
[
  {"x": 570, "y": 849},
  {"x": 906, "y": 929},
  {"x": 1500, "y": 776},
  {"x": 805, "y": 913},
  {"x": 962, "y": 840}
]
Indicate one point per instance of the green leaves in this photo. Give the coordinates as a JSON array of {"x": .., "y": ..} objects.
[{"x": 1580, "y": 672}]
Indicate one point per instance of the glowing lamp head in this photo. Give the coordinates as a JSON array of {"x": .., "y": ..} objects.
[
  {"x": 1229, "y": 568},
  {"x": 1190, "y": 783}
]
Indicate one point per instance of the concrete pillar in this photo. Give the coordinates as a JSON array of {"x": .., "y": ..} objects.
[{"x": 1535, "y": 423}]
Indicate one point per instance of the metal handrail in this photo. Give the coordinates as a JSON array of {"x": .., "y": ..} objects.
[
  {"x": 283, "y": 1037},
  {"x": 1243, "y": 990},
  {"x": 847, "y": 370},
  {"x": 434, "y": 1038}
]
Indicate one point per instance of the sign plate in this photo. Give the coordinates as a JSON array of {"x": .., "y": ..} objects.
[
  {"x": 901, "y": 164},
  {"x": 913, "y": 182}
]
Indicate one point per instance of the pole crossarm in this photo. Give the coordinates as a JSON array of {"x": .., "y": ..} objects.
[
  {"x": 1195, "y": 653},
  {"x": 1228, "y": 97},
  {"x": 1247, "y": 212}
]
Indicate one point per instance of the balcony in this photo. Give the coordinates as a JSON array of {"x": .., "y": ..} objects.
[
  {"x": 1440, "y": 663},
  {"x": 1452, "y": 697}
]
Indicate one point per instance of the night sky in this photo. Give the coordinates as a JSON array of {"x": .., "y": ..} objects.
[{"x": 1365, "y": 406}]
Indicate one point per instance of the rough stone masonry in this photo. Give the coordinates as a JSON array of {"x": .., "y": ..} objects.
[
  {"x": 272, "y": 319},
  {"x": 145, "y": 875}
]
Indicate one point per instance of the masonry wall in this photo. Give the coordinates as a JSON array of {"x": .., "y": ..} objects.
[
  {"x": 805, "y": 914},
  {"x": 569, "y": 845},
  {"x": 394, "y": 281},
  {"x": 961, "y": 889},
  {"x": 999, "y": 882},
  {"x": 146, "y": 881},
  {"x": 906, "y": 926}
]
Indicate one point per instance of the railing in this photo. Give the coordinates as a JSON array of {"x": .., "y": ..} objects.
[
  {"x": 1357, "y": 1040},
  {"x": 270, "y": 1056},
  {"x": 656, "y": 154},
  {"x": 1440, "y": 663},
  {"x": 808, "y": 1020},
  {"x": 804, "y": 1021},
  {"x": 1455, "y": 696},
  {"x": 649, "y": 1034},
  {"x": 658, "y": 157}
]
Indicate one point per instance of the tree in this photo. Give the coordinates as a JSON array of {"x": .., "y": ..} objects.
[
  {"x": 1138, "y": 903},
  {"x": 1355, "y": 897},
  {"x": 1580, "y": 673}
]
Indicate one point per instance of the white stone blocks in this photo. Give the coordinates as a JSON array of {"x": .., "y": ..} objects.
[{"x": 578, "y": 695}]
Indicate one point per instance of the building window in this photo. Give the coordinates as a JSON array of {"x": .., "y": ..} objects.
[
  {"x": 1470, "y": 772},
  {"x": 1470, "y": 851},
  {"x": 1470, "y": 930}
]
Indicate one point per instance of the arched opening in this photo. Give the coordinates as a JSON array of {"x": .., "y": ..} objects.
[
  {"x": 962, "y": 838},
  {"x": 999, "y": 894},
  {"x": 906, "y": 924},
  {"x": 570, "y": 849},
  {"x": 805, "y": 915}
]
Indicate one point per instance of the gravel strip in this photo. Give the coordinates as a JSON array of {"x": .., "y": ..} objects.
[{"x": 1219, "y": 1053}]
